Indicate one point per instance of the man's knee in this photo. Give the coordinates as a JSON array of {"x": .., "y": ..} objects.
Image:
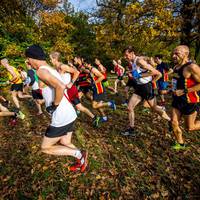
[
  {"x": 131, "y": 107},
  {"x": 45, "y": 149}
]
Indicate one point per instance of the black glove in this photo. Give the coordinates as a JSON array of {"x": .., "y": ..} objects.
[{"x": 51, "y": 109}]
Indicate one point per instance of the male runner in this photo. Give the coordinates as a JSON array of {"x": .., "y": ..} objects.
[
  {"x": 103, "y": 70},
  {"x": 33, "y": 82},
  {"x": 119, "y": 70},
  {"x": 69, "y": 76},
  {"x": 61, "y": 110},
  {"x": 16, "y": 83},
  {"x": 186, "y": 85},
  {"x": 162, "y": 83},
  {"x": 142, "y": 72},
  {"x": 98, "y": 91},
  {"x": 83, "y": 84}
]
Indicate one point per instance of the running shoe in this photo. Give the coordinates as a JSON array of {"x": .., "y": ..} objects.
[
  {"x": 128, "y": 132},
  {"x": 96, "y": 121},
  {"x": 20, "y": 115},
  {"x": 178, "y": 146},
  {"x": 113, "y": 105},
  {"x": 78, "y": 166},
  {"x": 85, "y": 163}
]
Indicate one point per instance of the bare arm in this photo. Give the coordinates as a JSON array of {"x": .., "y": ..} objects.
[
  {"x": 75, "y": 73},
  {"x": 195, "y": 73},
  {"x": 52, "y": 81},
  {"x": 14, "y": 75},
  {"x": 151, "y": 70},
  {"x": 98, "y": 74}
]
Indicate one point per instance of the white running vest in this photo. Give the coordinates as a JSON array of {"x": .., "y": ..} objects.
[
  {"x": 64, "y": 113},
  {"x": 66, "y": 77},
  {"x": 141, "y": 81}
]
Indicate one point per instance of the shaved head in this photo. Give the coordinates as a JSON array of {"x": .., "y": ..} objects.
[
  {"x": 181, "y": 54},
  {"x": 183, "y": 48}
]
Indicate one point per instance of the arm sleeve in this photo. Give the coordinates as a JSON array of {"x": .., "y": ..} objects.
[{"x": 32, "y": 77}]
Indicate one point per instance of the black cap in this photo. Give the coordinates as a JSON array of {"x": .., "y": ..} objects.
[{"x": 35, "y": 52}]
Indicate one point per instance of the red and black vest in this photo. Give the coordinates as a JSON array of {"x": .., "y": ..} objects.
[
  {"x": 82, "y": 80},
  {"x": 185, "y": 83}
]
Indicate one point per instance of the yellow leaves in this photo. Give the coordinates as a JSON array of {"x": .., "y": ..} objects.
[
  {"x": 12, "y": 50},
  {"x": 133, "y": 8},
  {"x": 50, "y": 3},
  {"x": 64, "y": 47},
  {"x": 56, "y": 20}
]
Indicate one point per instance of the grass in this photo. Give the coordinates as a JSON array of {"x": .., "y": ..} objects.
[{"x": 140, "y": 167}]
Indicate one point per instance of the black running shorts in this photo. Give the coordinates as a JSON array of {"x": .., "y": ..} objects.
[
  {"x": 145, "y": 91},
  {"x": 17, "y": 87},
  {"x": 183, "y": 106},
  {"x": 53, "y": 131}
]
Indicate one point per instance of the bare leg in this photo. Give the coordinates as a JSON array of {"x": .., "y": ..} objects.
[
  {"x": 39, "y": 107},
  {"x": 82, "y": 108},
  {"x": 176, "y": 116},
  {"x": 50, "y": 146},
  {"x": 15, "y": 99},
  {"x": 116, "y": 83},
  {"x": 123, "y": 83},
  {"x": 66, "y": 141},
  {"x": 23, "y": 96},
  {"x": 133, "y": 102},
  {"x": 4, "y": 112},
  {"x": 158, "y": 109},
  {"x": 191, "y": 122},
  {"x": 97, "y": 105}
]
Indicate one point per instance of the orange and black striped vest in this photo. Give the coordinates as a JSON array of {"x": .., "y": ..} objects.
[{"x": 98, "y": 87}]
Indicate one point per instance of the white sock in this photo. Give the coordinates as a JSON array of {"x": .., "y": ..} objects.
[
  {"x": 109, "y": 103},
  {"x": 78, "y": 154}
]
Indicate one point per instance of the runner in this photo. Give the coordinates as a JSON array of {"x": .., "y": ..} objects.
[
  {"x": 69, "y": 76},
  {"x": 131, "y": 83},
  {"x": 119, "y": 70},
  {"x": 98, "y": 92},
  {"x": 103, "y": 70},
  {"x": 61, "y": 110},
  {"x": 33, "y": 82},
  {"x": 16, "y": 83},
  {"x": 142, "y": 72},
  {"x": 162, "y": 83},
  {"x": 186, "y": 85},
  {"x": 83, "y": 82}
]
